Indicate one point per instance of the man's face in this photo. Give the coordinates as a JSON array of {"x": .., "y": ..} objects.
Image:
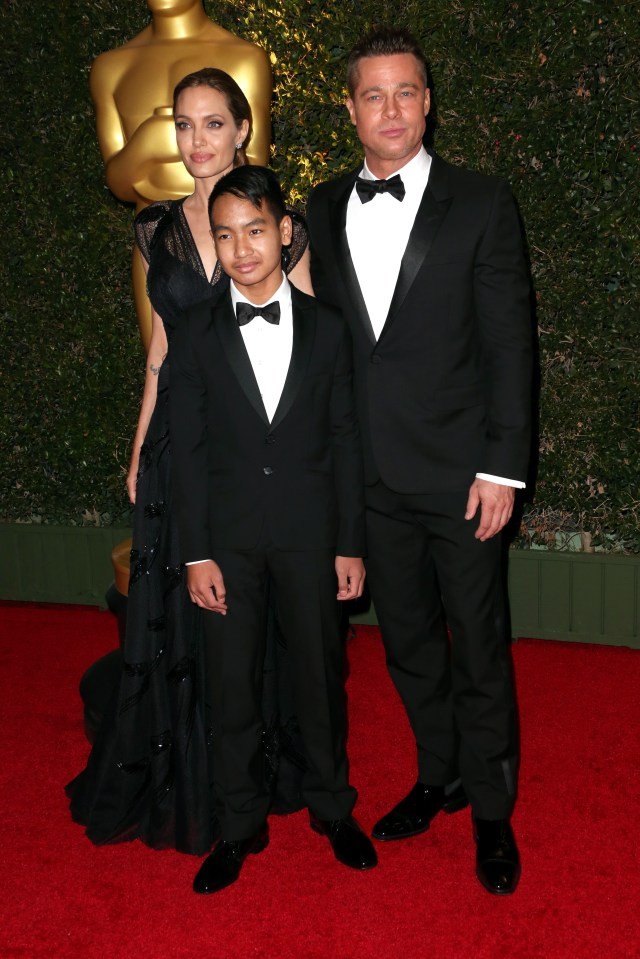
[
  {"x": 249, "y": 244},
  {"x": 388, "y": 110}
]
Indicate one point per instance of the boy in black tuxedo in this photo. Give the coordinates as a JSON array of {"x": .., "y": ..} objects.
[{"x": 268, "y": 488}]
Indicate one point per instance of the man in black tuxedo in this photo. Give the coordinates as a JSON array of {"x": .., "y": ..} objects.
[
  {"x": 268, "y": 487},
  {"x": 426, "y": 262}
]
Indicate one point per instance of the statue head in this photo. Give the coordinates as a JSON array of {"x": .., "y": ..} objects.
[{"x": 172, "y": 6}]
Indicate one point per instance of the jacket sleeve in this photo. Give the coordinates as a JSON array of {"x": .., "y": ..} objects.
[
  {"x": 347, "y": 453},
  {"x": 503, "y": 309}
]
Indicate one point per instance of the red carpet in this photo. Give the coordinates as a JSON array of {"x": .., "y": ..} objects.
[{"x": 576, "y": 822}]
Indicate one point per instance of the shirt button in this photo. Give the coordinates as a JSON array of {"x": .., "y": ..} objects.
[{"x": 267, "y": 470}]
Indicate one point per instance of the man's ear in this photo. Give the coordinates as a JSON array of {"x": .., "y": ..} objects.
[{"x": 350, "y": 107}]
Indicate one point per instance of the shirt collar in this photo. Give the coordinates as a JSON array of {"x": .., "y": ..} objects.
[
  {"x": 282, "y": 295},
  {"x": 414, "y": 173}
]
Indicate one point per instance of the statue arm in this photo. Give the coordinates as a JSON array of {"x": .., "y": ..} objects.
[
  {"x": 102, "y": 82},
  {"x": 128, "y": 171},
  {"x": 128, "y": 160}
]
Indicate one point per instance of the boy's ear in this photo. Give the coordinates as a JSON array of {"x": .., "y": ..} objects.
[{"x": 286, "y": 230}]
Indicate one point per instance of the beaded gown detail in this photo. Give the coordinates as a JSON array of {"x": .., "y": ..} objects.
[{"x": 149, "y": 775}]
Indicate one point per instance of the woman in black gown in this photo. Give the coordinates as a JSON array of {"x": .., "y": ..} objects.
[{"x": 149, "y": 773}]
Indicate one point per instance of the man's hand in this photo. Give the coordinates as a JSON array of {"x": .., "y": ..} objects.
[
  {"x": 206, "y": 586},
  {"x": 496, "y": 507},
  {"x": 350, "y": 573}
]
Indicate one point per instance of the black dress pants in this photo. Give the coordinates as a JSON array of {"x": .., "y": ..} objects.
[
  {"x": 425, "y": 570},
  {"x": 305, "y": 586}
]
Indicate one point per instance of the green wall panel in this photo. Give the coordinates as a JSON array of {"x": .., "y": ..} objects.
[
  {"x": 56, "y": 564},
  {"x": 589, "y": 598}
]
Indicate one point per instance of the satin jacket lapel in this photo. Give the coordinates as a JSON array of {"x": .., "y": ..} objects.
[
  {"x": 338, "y": 232},
  {"x": 431, "y": 212},
  {"x": 304, "y": 331},
  {"x": 235, "y": 351}
]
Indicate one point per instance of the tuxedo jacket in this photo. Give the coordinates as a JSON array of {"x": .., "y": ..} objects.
[
  {"x": 237, "y": 477},
  {"x": 445, "y": 391}
]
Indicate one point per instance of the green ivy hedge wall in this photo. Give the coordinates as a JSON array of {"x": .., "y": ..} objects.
[{"x": 545, "y": 94}]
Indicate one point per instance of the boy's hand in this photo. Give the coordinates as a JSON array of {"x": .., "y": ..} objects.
[
  {"x": 206, "y": 586},
  {"x": 350, "y": 572}
]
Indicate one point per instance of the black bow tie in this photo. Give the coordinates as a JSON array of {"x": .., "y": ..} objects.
[
  {"x": 367, "y": 189},
  {"x": 246, "y": 312}
]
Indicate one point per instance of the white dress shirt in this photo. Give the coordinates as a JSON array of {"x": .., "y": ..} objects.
[
  {"x": 269, "y": 345},
  {"x": 378, "y": 234}
]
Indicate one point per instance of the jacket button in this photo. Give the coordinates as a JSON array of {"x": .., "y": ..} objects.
[
  {"x": 267, "y": 470},
  {"x": 376, "y": 359},
  {"x": 270, "y": 438}
]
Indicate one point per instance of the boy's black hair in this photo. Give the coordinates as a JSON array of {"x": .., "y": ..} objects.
[{"x": 254, "y": 183}]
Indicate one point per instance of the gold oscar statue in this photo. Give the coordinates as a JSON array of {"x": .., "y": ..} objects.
[{"x": 132, "y": 88}]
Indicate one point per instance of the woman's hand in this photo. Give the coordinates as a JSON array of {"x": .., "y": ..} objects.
[{"x": 132, "y": 475}]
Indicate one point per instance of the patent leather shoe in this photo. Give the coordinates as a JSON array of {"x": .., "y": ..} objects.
[
  {"x": 223, "y": 866},
  {"x": 497, "y": 857},
  {"x": 415, "y": 813},
  {"x": 350, "y": 845}
]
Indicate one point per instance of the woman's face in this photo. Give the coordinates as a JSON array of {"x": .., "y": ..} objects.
[{"x": 206, "y": 132}]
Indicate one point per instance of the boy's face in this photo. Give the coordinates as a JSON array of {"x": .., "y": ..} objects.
[{"x": 249, "y": 244}]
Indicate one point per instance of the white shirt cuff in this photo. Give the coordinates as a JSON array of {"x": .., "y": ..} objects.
[
  {"x": 501, "y": 481},
  {"x": 196, "y": 562}
]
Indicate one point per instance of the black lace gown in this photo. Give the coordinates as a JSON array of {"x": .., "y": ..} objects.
[{"x": 149, "y": 775}]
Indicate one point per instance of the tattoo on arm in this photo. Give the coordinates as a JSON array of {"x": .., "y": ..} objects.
[{"x": 156, "y": 369}]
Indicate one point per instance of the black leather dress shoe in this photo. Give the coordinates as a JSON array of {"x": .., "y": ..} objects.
[
  {"x": 415, "y": 812},
  {"x": 497, "y": 857},
  {"x": 223, "y": 866},
  {"x": 350, "y": 845}
]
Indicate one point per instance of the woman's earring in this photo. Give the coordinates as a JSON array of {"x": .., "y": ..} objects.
[{"x": 238, "y": 146}]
